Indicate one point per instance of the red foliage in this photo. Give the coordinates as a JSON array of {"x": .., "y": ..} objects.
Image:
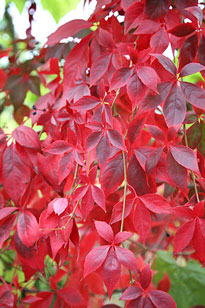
[{"x": 117, "y": 161}]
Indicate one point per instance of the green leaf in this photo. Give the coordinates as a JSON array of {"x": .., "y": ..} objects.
[
  {"x": 19, "y": 4},
  {"x": 187, "y": 281},
  {"x": 194, "y": 134},
  {"x": 58, "y": 8},
  {"x": 201, "y": 145}
]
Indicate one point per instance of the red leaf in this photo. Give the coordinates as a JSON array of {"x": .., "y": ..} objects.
[
  {"x": 155, "y": 203},
  {"x": 161, "y": 299},
  {"x": 120, "y": 78},
  {"x": 185, "y": 157},
  {"x": 105, "y": 38},
  {"x": 176, "y": 173},
  {"x": 117, "y": 211},
  {"x": 148, "y": 76},
  {"x": 116, "y": 139},
  {"x": 6, "y": 211},
  {"x": 194, "y": 94},
  {"x": 131, "y": 293},
  {"x": 153, "y": 159},
  {"x": 80, "y": 193},
  {"x": 201, "y": 56},
  {"x": 68, "y": 29},
  {"x": 111, "y": 271},
  {"x": 6, "y": 227},
  {"x": 71, "y": 296},
  {"x": 137, "y": 178},
  {"x": 95, "y": 283},
  {"x": 99, "y": 68},
  {"x": 59, "y": 205},
  {"x": 135, "y": 127},
  {"x": 159, "y": 41},
  {"x": 51, "y": 174},
  {"x": 174, "y": 107},
  {"x": 199, "y": 239},
  {"x": 103, "y": 151},
  {"x": 14, "y": 174},
  {"x": 188, "y": 51},
  {"x": 98, "y": 196},
  {"x": 27, "y": 228},
  {"x": 3, "y": 78},
  {"x": 58, "y": 147},
  {"x": 184, "y": 236},
  {"x": 191, "y": 68},
  {"x": 133, "y": 16},
  {"x": 146, "y": 277},
  {"x": 199, "y": 209},
  {"x": 142, "y": 221},
  {"x": 104, "y": 230},
  {"x": 182, "y": 29},
  {"x": 121, "y": 237},
  {"x": 166, "y": 63},
  {"x": 95, "y": 259},
  {"x": 155, "y": 9},
  {"x": 65, "y": 166},
  {"x": 86, "y": 103},
  {"x": 147, "y": 26},
  {"x": 151, "y": 101},
  {"x": 126, "y": 258},
  {"x": 112, "y": 174},
  {"x": 164, "y": 284},
  {"x": 92, "y": 140},
  {"x": 195, "y": 13},
  {"x": 135, "y": 90},
  {"x": 27, "y": 137}
]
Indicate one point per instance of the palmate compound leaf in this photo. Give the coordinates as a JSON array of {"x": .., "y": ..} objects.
[{"x": 145, "y": 298}]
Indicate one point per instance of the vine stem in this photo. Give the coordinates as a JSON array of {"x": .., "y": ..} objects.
[
  {"x": 125, "y": 191},
  {"x": 113, "y": 106},
  {"x": 192, "y": 173},
  {"x": 76, "y": 171},
  {"x": 123, "y": 206}
]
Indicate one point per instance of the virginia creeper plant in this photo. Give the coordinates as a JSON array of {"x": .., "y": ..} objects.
[{"x": 111, "y": 169}]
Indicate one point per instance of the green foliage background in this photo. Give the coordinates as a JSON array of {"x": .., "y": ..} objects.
[{"x": 57, "y": 8}]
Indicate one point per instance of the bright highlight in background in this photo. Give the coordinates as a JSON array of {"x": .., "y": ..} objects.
[{"x": 44, "y": 23}]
